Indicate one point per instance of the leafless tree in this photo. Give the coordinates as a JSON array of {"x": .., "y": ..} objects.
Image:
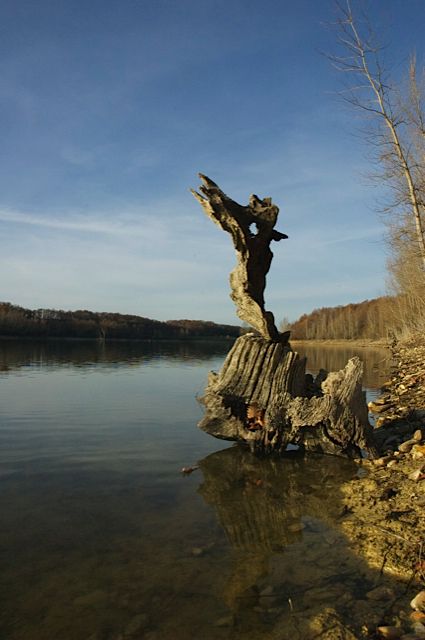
[{"x": 396, "y": 125}]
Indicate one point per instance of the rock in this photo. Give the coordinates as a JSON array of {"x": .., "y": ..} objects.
[
  {"x": 381, "y": 421},
  {"x": 416, "y": 475},
  {"x": 267, "y": 598},
  {"x": 417, "y": 616},
  {"x": 392, "y": 463},
  {"x": 417, "y": 435},
  {"x": 380, "y": 593},
  {"x": 136, "y": 624},
  {"x": 92, "y": 599},
  {"x": 378, "y": 408},
  {"x": 296, "y": 527},
  {"x": 405, "y": 447},
  {"x": 381, "y": 462},
  {"x": 225, "y": 621},
  {"x": 418, "y": 451},
  {"x": 419, "y": 629},
  {"x": 391, "y": 633},
  {"x": 418, "y": 602},
  {"x": 197, "y": 551}
]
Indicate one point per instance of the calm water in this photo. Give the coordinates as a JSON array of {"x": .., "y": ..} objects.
[{"x": 102, "y": 538}]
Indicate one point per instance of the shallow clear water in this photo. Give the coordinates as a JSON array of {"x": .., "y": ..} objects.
[{"x": 101, "y": 536}]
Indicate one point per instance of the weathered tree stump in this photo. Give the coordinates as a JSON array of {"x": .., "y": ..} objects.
[{"x": 262, "y": 396}]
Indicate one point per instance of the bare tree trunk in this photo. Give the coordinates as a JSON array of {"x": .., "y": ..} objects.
[{"x": 401, "y": 166}]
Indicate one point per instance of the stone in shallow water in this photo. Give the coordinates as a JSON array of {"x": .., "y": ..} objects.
[
  {"x": 380, "y": 593},
  {"x": 225, "y": 621},
  {"x": 136, "y": 624},
  {"x": 390, "y": 633},
  {"x": 267, "y": 591},
  {"x": 92, "y": 599},
  {"x": 296, "y": 527}
]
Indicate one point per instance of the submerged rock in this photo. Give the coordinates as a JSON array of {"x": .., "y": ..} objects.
[
  {"x": 380, "y": 593},
  {"x": 136, "y": 624},
  {"x": 390, "y": 633}
]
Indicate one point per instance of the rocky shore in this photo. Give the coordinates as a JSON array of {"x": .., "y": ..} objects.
[{"x": 384, "y": 509}]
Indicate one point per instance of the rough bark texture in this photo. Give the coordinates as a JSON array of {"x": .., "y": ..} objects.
[
  {"x": 248, "y": 279},
  {"x": 263, "y": 398}
]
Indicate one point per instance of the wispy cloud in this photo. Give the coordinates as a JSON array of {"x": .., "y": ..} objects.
[{"x": 122, "y": 225}]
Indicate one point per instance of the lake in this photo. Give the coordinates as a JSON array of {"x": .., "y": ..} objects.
[{"x": 103, "y": 538}]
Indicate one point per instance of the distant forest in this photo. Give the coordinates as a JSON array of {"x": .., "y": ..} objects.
[
  {"x": 50, "y": 323},
  {"x": 371, "y": 319}
]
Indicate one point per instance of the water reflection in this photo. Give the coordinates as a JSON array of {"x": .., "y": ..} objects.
[
  {"x": 376, "y": 360},
  {"x": 266, "y": 505},
  {"x": 15, "y": 354},
  {"x": 260, "y": 501},
  {"x": 103, "y": 539},
  {"x": 292, "y": 570}
]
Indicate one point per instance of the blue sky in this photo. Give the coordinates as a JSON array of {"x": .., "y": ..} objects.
[{"x": 109, "y": 109}]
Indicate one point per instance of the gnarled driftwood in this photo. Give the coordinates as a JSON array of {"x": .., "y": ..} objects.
[
  {"x": 262, "y": 396},
  {"x": 248, "y": 279}
]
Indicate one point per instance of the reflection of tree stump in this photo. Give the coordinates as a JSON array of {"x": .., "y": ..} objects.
[
  {"x": 265, "y": 379},
  {"x": 259, "y": 503}
]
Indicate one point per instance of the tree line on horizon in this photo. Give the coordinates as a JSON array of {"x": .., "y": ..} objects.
[
  {"x": 371, "y": 319},
  {"x": 17, "y": 321}
]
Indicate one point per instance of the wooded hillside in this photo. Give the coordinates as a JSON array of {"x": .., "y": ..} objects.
[
  {"x": 51, "y": 323},
  {"x": 371, "y": 319}
]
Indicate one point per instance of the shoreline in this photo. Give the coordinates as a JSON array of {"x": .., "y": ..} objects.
[
  {"x": 358, "y": 342},
  {"x": 384, "y": 508}
]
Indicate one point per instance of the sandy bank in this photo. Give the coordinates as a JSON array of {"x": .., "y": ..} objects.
[{"x": 384, "y": 512}]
